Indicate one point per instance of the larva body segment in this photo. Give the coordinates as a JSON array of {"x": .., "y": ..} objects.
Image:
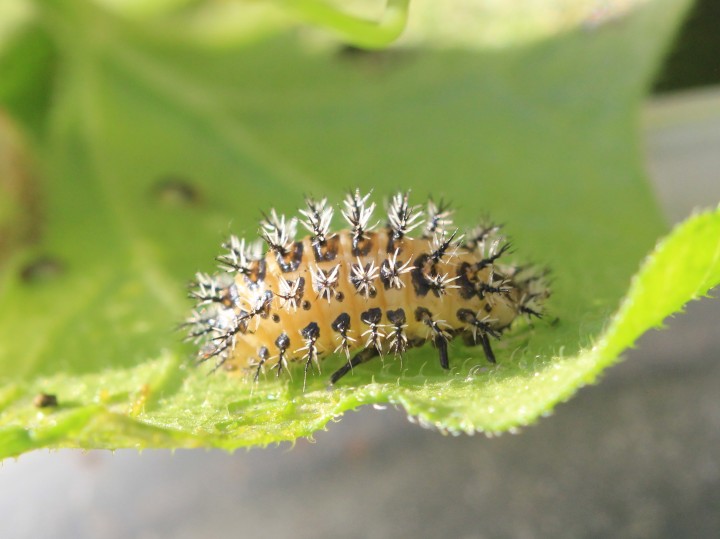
[{"x": 358, "y": 292}]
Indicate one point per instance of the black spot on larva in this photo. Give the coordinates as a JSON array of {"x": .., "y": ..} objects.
[
  {"x": 310, "y": 332},
  {"x": 328, "y": 251},
  {"x": 422, "y": 314},
  {"x": 341, "y": 323},
  {"x": 420, "y": 283},
  {"x": 340, "y": 297},
  {"x": 466, "y": 316},
  {"x": 371, "y": 316},
  {"x": 264, "y": 311},
  {"x": 291, "y": 261},
  {"x": 42, "y": 269},
  {"x": 45, "y": 400},
  {"x": 398, "y": 339},
  {"x": 390, "y": 272},
  {"x": 386, "y": 274},
  {"x": 282, "y": 342},
  {"x": 229, "y": 296},
  {"x": 362, "y": 247},
  {"x": 243, "y": 319},
  {"x": 372, "y": 293},
  {"x": 301, "y": 288},
  {"x": 396, "y": 317},
  {"x": 176, "y": 191},
  {"x": 466, "y": 286},
  {"x": 256, "y": 274},
  {"x": 306, "y": 305},
  {"x": 488, "y": 308},
  {"x": 276, "y": 318}
]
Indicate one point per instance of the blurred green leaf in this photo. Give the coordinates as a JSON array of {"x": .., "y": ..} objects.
[{"x": 155, "y": 149}]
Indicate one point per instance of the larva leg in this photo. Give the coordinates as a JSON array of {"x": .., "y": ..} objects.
[
  {"x": 439, "y": 336},
  {"x": 263, "y": 354},
  {"x": 489, "y": 354},
  {"x": 478, "y": 331},
  {"x": 361, "y": 357},
  {"x": 441, "y": 343}
]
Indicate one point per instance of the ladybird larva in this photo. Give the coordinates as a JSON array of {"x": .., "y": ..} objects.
[{"x": 358, "y": 292}]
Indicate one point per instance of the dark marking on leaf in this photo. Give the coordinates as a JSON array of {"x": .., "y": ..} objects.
[
  {"x": 176, "y": 191},
  {"x": 42, "y": 269},
  {"x": 45, "y": 400}
]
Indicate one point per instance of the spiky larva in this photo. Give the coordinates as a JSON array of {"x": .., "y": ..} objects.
[{"x": 361, "y": 292}]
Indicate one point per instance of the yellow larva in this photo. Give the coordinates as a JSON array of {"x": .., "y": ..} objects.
[{"x": 358, "y": 292}]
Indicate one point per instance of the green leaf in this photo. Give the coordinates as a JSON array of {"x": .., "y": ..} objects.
[
  {"x": 154, "y": 150},
  {"x": 26, "y": 56}
]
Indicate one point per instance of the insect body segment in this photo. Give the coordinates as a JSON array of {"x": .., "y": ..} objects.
[{"x": 361, "y": 292}]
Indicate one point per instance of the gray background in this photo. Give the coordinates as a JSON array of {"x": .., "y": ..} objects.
[{"x": 636, "y": 456}]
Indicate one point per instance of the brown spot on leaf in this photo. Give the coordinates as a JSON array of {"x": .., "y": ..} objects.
[
  {"x": 45, "y": 400},
  {"x": 176, "y": 191},
  {"x": 41, "y": 269}
]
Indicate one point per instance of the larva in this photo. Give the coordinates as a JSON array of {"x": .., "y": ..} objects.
[{"x": 364, "y": 291}]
